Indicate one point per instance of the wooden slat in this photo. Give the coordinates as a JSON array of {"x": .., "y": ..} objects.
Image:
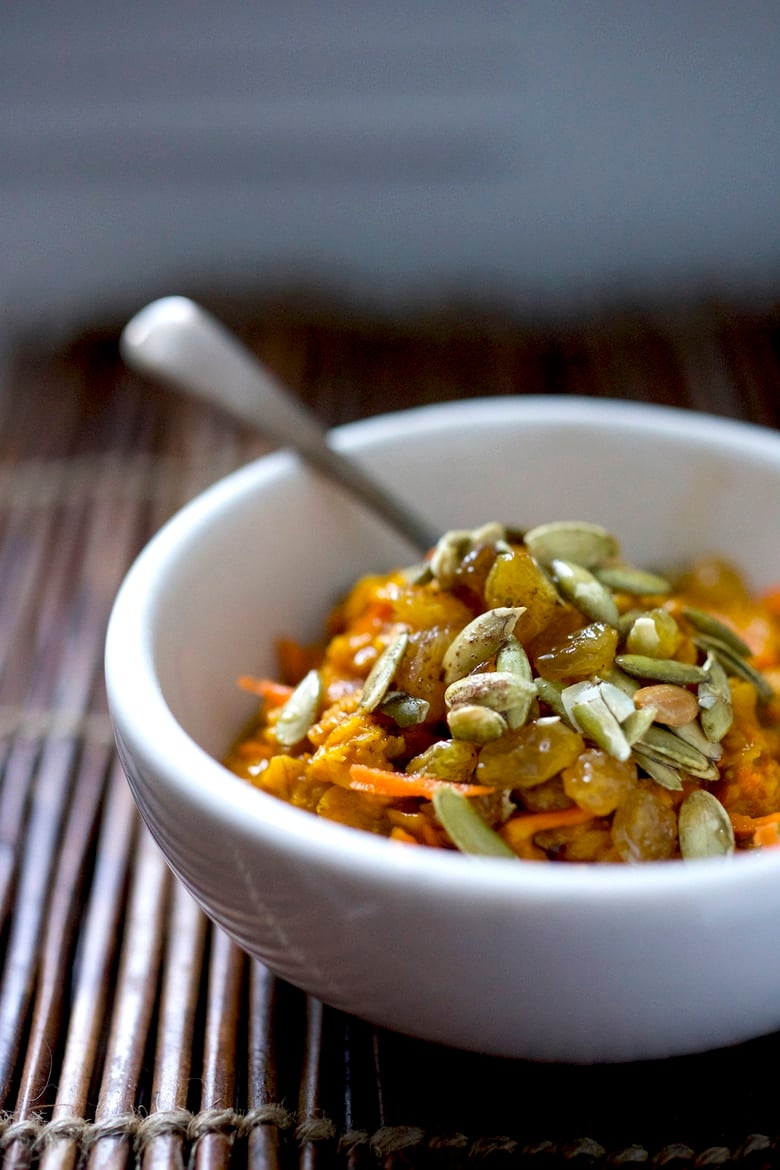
[
  {"x": 116, "y": 1125},
  {"x": 104, "y": 547},
  {"x": 93, "y": 975},
  {"x": 270, "y": 1119},
  {"x": 163, "y": 1137},
  {"x": 214, "y": 1133},
  {"x": 58, "y": 940}
]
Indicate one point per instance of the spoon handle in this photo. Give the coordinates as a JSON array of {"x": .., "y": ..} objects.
[{"x": 178, "y": 342}]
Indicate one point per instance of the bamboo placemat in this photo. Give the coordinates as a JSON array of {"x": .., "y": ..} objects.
[{"x": 129, "y": 1028}]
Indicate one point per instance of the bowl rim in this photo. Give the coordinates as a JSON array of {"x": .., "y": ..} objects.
[{"x": 195, "y": 776}]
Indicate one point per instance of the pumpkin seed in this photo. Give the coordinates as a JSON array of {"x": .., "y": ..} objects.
[
  {"x": 419, "y": 574},
  {"x": 663, "y": 773},
  {"x": 620, "y": 679},
  {"x": 300, "y": 711},
  {"x": 404, "y": 709},
  {"x": 673, "y": 750},
  {"x": 596, "y": 721},
  {"x": 626, "y": 622},
  {"x": 476, "y": 724},
  {"x": 450, "y": 550},
  {"x": 551, "y": 693},
  {"x": 512, "y": 657},
  {"x": 674, "y": 705},
  {"x": 637, "y": 723},
  {"x": 491, "y": 533},
  {"x": 704, "y": 827},
  {"x": 693, "y": 734},
  {"x": 620, "y": 704},
  {"x": 577, "y": 693},
  {"x": 714, "y": 696},
  {"x": 571, "y": 540},
  {"x": 465, "y": 827},
  {"x": 717, "y": 721},
  {"x": 616, "y": 700},
  {"x": 735, "y": 664},
  {"x": 518, "y": 711},
  {"x": 585, "y": 592},
  {"x": 589, "y": 710},
  {"x": 479, "y": 641},
  {"x": 627, "y": 579},
  {"x": 499, "y": 689},
  {"x": 667, "y": 670},
  {"x": 489, "y": 688},
  {"x": 707, "y": 623},
  {"x": 383, "y": 672},
  {"x": 449, "y": 759},
  {"x": 455, "y": 545},
  {"x": 512, "y": 660}
]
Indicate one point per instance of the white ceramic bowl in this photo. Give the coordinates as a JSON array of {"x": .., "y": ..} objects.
[{"x": 555, "y": 962}]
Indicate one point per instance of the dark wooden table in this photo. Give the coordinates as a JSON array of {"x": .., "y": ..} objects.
[{"x": 129, "y": 1028}]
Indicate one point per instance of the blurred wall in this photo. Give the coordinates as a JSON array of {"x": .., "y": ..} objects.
[{"x": 546, "y": 153}]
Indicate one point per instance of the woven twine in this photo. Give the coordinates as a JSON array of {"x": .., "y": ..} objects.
[{"x": 140, "y": 1131}]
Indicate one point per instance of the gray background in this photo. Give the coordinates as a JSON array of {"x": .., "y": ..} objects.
[{"x": 546, "y": 155}]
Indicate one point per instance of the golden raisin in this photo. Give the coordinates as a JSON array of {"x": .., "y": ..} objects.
[
  {"x": 354, "y": 808},
  {"x": 280, "y": 775},
  {"x": 473, "y": 571},
  {"x": 654, "y": 634},
  {"x": 712, "y": 582},
  {"x": 425, "y": 607},
  {"x": 598, "y": 782},
  {"x": 582, "y": 843},
  {"x": 358, "y": 739},
  {"x": 588, "y": 651},
  {"x": 545, "y": 797},
  {"x": 644, "y": 827},
  {"x": 450, "y": 759},
  {"x": 590, "y": 844},
  {"x": 420, "y": 672},
  {"x": 529, "y": 756},
  {"x": 516, "y": 579}
]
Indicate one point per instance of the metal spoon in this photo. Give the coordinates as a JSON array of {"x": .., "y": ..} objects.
[{"x": 178, "y": 342}]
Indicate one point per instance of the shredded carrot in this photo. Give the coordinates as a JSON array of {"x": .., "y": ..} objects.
[
  {"x": 745, "y": 782},
  {"x": 431, "y": 834},
  {"x": 274, "y": 693},
  {"x": 771, "y": 601},
  {"x": 253, "y": 749},
  {"x": 521, "y": 827},
  {"x": 296, "y": 660},
  {"x": 767, "y": 836},
  {"x": 383, "y": 782},
  {"x": 397, "y": 834},
  {"x": 764, "y": 831},
  {"x": 745, "y": 824}
]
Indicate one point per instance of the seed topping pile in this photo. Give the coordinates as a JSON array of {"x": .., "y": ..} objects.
[{"x": 532, "y": 695}]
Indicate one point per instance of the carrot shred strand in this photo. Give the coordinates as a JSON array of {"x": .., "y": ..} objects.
[
  {"x": 274, "y": 693},
  {"x": 384, "y": 782},
  {"x": 519, "y": 828}
]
